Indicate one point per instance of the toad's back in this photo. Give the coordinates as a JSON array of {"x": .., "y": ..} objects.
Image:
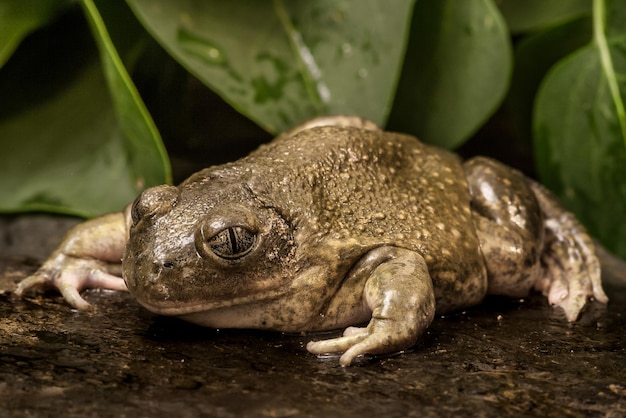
[{"x": 377, "y": 188}]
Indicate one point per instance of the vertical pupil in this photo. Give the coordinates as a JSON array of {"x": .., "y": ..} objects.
[{"x": 233, "y": 241}]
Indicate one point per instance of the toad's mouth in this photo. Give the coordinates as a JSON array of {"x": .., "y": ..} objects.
[
  {"x": 265, "y": 311},
  {"x": 179, "y": 308}
]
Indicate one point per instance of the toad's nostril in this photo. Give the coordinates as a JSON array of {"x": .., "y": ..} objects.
[{"x": 168, "y": 265}]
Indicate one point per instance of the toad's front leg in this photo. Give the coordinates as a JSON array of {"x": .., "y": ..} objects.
[
  {"x": 399, "y": 292},
  {"x": 86, "y": 257}
]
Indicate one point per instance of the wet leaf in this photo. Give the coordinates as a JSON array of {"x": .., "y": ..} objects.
[
  {"x": 65, "y": 145},
  {"x": 18, "y": 18},
  {"x": 456, "y": 73},
  {"x": 580, "y": 128},
  {"x": 529, "y": 15},
  {"x": 270, "y": 60}
]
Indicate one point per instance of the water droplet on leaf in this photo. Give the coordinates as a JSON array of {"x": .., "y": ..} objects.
[
  {"x": 346, "y": 50},
  {"x": 202, "y": 48}
]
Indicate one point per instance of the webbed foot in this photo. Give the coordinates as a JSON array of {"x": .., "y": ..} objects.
[
  {"x": 377, "y": 338},
  {"x": 69, "y": 275},
  {"x": 571, "y": 266}
]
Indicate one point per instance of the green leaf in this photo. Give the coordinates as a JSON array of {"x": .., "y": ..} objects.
[
  {"x": 18, "y": 18},
  {"x": 273, "y": 62},
  {"x": 62, "y": 148},
  {"x": 580, "y": 128},
  {"x": 145, "y": 150},
  {"x": 456, "y": 73},
  {"x": 529, "y": 15},
  {"x": 534, "y": 56}
]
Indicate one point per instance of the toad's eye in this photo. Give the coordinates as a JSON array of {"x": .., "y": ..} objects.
[
  {"x": 232, "y": 243},
  {"x": 228, "y": 235}
]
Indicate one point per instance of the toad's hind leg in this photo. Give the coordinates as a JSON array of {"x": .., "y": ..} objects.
[
  {"x": 571, "y": 267},
  {"x": 528, "y": 240},
  {"x": 509, "y": 224}
]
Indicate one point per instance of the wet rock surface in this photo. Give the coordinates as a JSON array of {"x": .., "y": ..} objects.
[{"x": 506, "y": 357}]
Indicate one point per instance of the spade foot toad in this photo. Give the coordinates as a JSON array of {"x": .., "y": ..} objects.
[{"x": 334, "y": 224}]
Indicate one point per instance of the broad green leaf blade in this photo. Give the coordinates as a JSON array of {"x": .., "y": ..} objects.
[
  {"x": 530, "y": 15},
  {"x": 579, "y": 128},
  {"x": 534, "y": 56},
  {"x": 61, "y": 147},
  {"x": 64, "y": 153},
  {"x": 281, "y": 62},
  {"x": 456, "y": 72},
  {"x": 144, "y": 148},
  {"x": 18, "y": 18}
]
